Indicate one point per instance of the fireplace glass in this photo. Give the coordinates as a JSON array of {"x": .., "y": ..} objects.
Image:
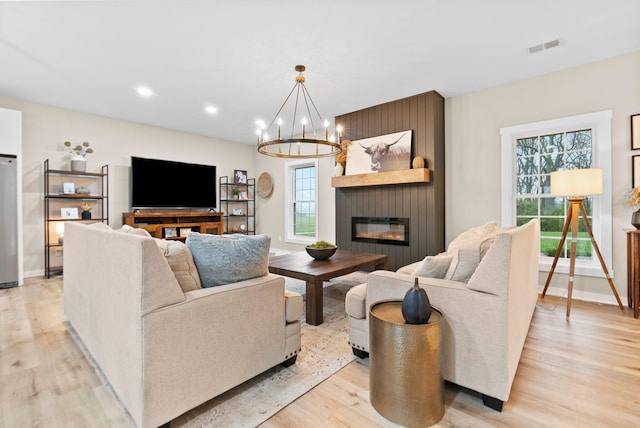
[{"x": 380, "y": 230}]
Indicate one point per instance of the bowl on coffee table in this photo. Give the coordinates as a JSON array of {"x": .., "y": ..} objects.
[{"x": 321, "y": 250}]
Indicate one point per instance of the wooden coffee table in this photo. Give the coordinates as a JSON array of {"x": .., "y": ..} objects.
[{"x": 300, "y": 265}]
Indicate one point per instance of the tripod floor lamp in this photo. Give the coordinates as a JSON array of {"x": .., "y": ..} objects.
[{"x": 576, "y": 184}]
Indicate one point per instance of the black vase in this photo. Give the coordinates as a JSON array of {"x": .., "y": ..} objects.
[
  {"x": 635, "y": 219},
  {"x": 86, "y": 215},
  {"x": 416, "y": 308}
]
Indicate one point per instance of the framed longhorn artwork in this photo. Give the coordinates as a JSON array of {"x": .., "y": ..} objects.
[{"x": 389, "y": 152}]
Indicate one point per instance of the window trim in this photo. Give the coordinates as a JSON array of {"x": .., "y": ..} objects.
[
  {"x": 289, "y": 172},
  {"x": 600, "y": 123}
]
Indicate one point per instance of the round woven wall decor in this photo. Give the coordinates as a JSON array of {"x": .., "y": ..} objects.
[{"x": 265, "y": 185}]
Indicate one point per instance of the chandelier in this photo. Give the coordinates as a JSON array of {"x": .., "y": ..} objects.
[{"x": 298, "y": 144}]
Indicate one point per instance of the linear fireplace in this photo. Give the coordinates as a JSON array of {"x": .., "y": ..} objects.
[{"x": 380, "y": 230}]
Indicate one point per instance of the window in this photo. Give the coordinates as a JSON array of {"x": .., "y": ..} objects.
[
  {"x": 529, "y": 154},
  {"x": 301, "y": 201}
]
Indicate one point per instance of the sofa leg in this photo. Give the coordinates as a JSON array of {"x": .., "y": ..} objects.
[
  {"x": 492, "y": 403},
  {"x": 167, "y": 425},
  {"x": 290, "y": 361},
  {"x": 360, "y": 353}
]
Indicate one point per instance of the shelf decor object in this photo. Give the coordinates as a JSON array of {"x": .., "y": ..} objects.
[
  {"x": 238, "y": 204},
  {"x": 294, "y": 146},
  {"x": 78, "y": 156},
  {"x": 66, "y": 194},
  {"x": 576, "y": 185}
]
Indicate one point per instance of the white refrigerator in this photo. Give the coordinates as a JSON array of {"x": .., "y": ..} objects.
[{"x": 8, "y": 221}]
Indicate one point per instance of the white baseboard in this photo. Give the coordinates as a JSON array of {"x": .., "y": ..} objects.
[{"x": 583, "y": 295}]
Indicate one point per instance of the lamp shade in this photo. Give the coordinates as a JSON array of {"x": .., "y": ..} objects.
[{"x": 576, "y": 182}]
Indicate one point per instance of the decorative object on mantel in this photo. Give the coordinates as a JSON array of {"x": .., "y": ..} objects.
[
  {"x": 418, "y": 162},
  {"x": 576, "y": 184},
  {"x": 86, "y": 210},
  {"x": 633, "y": 200},
  {"x": 295, "y": 146},
  {"x": 341, "y": 158},
  {"x": 78, "y": 153},
  {"x": 416, "y": 308},
  {"x": 383, "y": 153},
  {"x": 321, "y": 250},
  {"x": 265, "y": 185}
]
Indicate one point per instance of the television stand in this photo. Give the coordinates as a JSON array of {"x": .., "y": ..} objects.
[{"x": 175, "y": 224}]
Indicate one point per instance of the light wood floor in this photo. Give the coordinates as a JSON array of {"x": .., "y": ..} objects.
[{"x": 581, "y": 373}]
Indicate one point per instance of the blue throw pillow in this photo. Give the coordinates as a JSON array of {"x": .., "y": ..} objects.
[{"x": 225, "y": 259}]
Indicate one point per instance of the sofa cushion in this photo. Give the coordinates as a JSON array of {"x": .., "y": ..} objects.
[
  {"x": 354, "y": 303},
  {"x": 181, "y": 262},
  {"x": 101, "y": 225},
  {"x": 225, "y": 259},
  {"x": 434, "y": 266},
  {"x": 134, "y": 231},
  {"x": 292, "y": 306}
]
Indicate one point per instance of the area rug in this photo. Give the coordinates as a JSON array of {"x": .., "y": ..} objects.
[{"x": 324, "y": 351}]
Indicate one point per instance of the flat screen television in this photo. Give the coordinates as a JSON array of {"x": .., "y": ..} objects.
[{"x": 166, "y": 184}]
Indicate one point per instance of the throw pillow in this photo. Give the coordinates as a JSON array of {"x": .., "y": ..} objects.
[
  {"x": 434, "y": 266},
  {"x": 466, "y": 259},
  {"x": 225, "y": 259},
  {"x": 472, "y": 234},
  {"x": 181, "y": 262}
]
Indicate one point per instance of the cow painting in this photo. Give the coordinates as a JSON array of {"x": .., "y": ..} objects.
[{"x": 379, "y": 154}]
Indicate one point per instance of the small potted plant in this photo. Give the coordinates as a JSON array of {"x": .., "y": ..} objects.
[
  {"x": 235, "y": 192},
  {"x": 78, "y": 156},
  {"x": 86, "y": 210}
]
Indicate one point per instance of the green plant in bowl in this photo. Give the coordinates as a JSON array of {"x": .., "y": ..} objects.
[
  {"x": 322, "y": 244},
  {"x": 321, "y": 250}
]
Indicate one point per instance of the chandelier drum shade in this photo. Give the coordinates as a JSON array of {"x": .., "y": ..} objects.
[{"x": 304, "y": 140}]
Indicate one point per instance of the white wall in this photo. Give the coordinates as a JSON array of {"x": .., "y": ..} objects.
[
  {"x": 472, "y": 135},
  {"x": 45, "y": 129}
]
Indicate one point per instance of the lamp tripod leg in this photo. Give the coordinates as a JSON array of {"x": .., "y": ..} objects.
[
  {"x": 574, "y": 249},
  {"x": 565, "y": 229},
  {"x": 604, "y": 266}
]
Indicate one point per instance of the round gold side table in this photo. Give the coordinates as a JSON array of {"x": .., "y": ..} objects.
[{"x": 405, "y": 384}]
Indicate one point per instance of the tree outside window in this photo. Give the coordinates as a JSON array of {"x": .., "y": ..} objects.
[{"x": 537, "y": 156}]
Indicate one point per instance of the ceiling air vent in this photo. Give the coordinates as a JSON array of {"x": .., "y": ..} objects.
[{"x": 543, "y": 46}]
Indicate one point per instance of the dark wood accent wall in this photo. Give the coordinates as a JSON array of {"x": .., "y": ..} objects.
[{"x": 423, "y": 203}]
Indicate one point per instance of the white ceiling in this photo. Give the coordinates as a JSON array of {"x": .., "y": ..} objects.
[{"x": 240, "y": 55}]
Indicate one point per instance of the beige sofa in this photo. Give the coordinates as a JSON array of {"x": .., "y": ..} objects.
[
  {"x": 165, "y": 351},
  {"x": 486, "y": 318}
]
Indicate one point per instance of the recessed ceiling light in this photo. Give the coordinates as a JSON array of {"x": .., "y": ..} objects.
[
  {"x": 211, "y": 109},
  {"x": 144, "y": 91}
]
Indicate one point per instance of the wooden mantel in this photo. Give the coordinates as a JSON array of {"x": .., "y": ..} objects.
[{"x": 419, "y": 175}]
